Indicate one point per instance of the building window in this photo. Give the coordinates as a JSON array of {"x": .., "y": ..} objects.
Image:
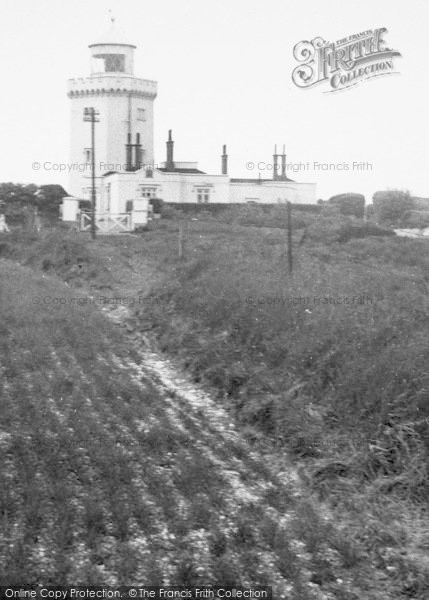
[
  {"x": 203, "y": 195},
  {"x": 141, "y": 114},
  {"x": 129, "y": 206},
  {"x": 148, "y": 192}
]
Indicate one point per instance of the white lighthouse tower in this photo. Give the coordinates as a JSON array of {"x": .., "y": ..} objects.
[{"x": 124, "y": 130}]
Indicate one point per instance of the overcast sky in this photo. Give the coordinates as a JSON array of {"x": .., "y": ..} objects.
[{"x": 224, "y": 76}]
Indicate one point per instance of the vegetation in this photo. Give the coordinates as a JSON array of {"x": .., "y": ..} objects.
[
  {"x": 342, "y": 385},
  {"x": 108, "y": 479},
  {"x": 415, "y": 219},
  {"x": 349, "y": 204},
  {"x": 17, "y": 199},
  {"x": 337, "y": 330},
  {"x": 157, "y": 205},
  {"x": 390, "y": 206},
  {"x": 49, "y": 199},
  {"x": 330, "y": 364}
]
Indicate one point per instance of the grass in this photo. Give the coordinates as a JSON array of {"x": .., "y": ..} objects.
[
  {"x": 310, "y": 371},
  {"x": 106, "y": 480},
  {"x": 342, "y": 387}
]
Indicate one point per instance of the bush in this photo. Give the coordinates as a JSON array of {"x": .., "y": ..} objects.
[
  {"x": 415, "y": 219},
  {"x": 267, "y": 216},
  {"x": 157, "y": 205},
  {"x": 169, "y": 212},
  {"x": 335, "y": 227},
  {"x": 390, "y": 206},
  {"x": 350, "y": 204}
]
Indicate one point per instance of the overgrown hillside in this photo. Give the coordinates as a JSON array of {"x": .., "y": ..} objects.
[
  {"x": 110, "y": 476},
  {"x": 330, "y": 363}
]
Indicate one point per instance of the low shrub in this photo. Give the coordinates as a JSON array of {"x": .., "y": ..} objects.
[
  {"x": 169, "y": 212},
  {"x": 267, "y": 216},
  {"x": 415, "y": 219},
  {"x": 334, "y": 227}
]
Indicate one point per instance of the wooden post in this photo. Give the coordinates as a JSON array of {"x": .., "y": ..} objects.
[
  {"x": 289, "y": 237},
  {"x": 93, "y": 196},
  {"x": 180, "y": 239}
]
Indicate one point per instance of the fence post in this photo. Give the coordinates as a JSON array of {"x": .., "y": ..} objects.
[
  {"x": 180, "y": 239},
  {"x": 289, "y": 237}
]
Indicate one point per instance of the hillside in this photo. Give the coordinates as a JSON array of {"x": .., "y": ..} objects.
[{"x": 342, "y": 388}]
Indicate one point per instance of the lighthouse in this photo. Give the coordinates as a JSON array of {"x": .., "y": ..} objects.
[{"x": 124, "y": 105}]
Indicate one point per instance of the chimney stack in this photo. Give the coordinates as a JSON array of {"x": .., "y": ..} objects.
[
  {"x": 170, "y": 145},
  {"x": 283, "y": 164},
  {"x": 224, "y": 161},
  {"x": 275, "y": 164}
]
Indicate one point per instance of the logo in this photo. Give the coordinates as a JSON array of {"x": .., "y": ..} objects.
[{"x": 344, "y": 63}]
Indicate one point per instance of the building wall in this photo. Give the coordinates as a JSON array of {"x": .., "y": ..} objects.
[
  {"x": 112, "y": 97},
  {"x": 170, "y": 187},
  {"x": 182, "y": 188},
  {"x": 271, "y": 193},
  {"x": 121, "y": 189}
]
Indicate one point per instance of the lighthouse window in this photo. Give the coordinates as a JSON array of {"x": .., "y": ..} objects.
[
  {"x": 114, "y": 63},
  {"x": 203, "y": 195},
  {"x": 141, "y": 114}
]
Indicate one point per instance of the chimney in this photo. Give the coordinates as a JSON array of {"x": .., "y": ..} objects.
[
  {"x": 170, "y": 144},
  {"x": 284, "y": 164},
  {"x": 224, "y": 161},
  {"x": 275, "y": 164},
  {"x": 128, "y": 150}
]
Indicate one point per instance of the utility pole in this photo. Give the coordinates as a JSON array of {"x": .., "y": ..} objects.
[{"x": 90, "y": 114}]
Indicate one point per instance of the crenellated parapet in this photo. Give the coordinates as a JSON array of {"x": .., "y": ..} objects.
[{"x": 112, "y": 86}]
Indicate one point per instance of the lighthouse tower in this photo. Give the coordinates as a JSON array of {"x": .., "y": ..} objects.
[{"x": 124, "y": 103}]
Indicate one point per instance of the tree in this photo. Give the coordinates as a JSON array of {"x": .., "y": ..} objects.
[
  {"x": 16, "y": 199},
  {"x": 49, "y": 198}
]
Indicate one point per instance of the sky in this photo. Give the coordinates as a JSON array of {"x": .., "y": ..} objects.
[{"x": 224, "y": 73}]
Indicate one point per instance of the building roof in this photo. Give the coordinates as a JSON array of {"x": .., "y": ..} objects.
[
  {"x": 113, "y": 36},
  {"x": 256, "y": 180},
  {"x": 180, "y": 170}
]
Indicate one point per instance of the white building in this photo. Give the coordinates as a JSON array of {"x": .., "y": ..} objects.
[
  {"x": 124, "y": 103},
  {"x": 125, "y": 172}
]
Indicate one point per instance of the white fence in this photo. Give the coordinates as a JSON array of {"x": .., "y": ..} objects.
[{"x": 106, "y": 222}]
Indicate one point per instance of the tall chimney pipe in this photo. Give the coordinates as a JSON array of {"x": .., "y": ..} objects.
[
  {"x": 128, "y": 152},
  {"x": 284, "y": 164},
  {"x": 275, "y": 164},
  {"x": 170, "y": 145},
  {"x": 224, "y": 161}
]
